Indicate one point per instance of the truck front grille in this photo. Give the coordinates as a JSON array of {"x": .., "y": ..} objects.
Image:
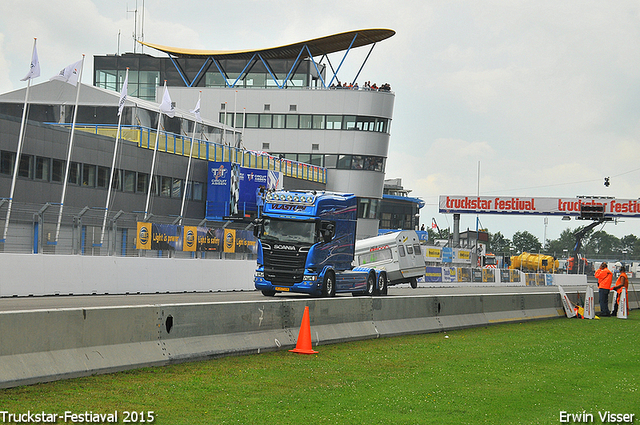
[{"x": 284, "y": 267}]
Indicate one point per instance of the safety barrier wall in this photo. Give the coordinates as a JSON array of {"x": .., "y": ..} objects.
[
  {"x": 28, "y": 274},
  {"x": 437, "y": 274},
  {"x": 46, "y": 345},
  {"x": 31, "y": 274}
]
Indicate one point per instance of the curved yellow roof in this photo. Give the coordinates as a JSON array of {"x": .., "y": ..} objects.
[{"x": 317, "y": 46}]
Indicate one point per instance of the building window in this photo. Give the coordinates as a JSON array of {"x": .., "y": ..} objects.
[
  {"x": 334, "y": 122},
  {"x": 117, "y": 180},
  {"x": 223, "y": 106},
  {"x": 278, "y": 121},
  {"x": 57, "y": 170},
  {"x": 142, "y": 183},
  {"x": 267, "y": 107},
  {"x": 265, "y": 146},
  {"x": 42, "y": 168},
  {"x": 292, "y": 121},
  {"x": 25, "y": 169},
  {"x": 305, "y": 121},
  {"x": 7, "y": 159},
  {"x": 265, "y": 120},
  {"x": 318, "y": 122},
  {"x": 198, "y": 190},
  {"x": 344, "y": 162},
  {"x": 88, "y": 175},
  {"x": 252, "y": 120},
  {"x": 315, "y": 147},
  {"x": 176, "y": 188},
  {"x": 129, "y": 183},
  {"x": 331, "y": 161},
  {"x": 316, "y": 160},
  {"x": 103, "y": 177},
  {"x": 293, "y": 108},
  {"x": 165, "y": 186},
  {"x": 349, "y": 122},
  {"x": 368, "y": 208},
  {"x": 74, "y": 173}
]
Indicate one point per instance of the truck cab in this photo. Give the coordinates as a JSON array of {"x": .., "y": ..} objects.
[{"x": 306, "y": 244}]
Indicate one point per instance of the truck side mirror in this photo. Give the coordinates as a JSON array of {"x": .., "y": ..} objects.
[
  {"x": 327, "y": 230},
  {"x": 257, "y": 227}
]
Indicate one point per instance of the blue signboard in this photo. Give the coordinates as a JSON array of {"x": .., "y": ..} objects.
[{"x": 233, "y": 191}]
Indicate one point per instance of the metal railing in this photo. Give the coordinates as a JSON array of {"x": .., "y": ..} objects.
[
  {"x": 206, "y": 150},
  {"x": 32, "y": 230}
]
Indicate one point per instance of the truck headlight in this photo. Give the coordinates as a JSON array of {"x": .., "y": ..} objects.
[
  {"x": 310, "y": 278},
  {"x": 259, "y": 274}
]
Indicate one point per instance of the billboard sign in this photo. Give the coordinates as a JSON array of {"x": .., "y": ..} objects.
[{"x": 536, "y": 205}]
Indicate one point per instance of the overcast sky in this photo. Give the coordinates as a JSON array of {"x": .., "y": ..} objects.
[{"x": 541, "y": 96}]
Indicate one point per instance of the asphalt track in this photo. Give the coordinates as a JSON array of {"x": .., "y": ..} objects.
[{"x": 89, "y": 301}]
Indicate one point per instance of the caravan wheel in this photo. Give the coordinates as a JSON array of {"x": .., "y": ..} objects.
[{"x": 414, "y": 283}]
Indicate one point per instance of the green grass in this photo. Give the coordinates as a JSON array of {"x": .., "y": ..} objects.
[{"x": 520, "y": 373}]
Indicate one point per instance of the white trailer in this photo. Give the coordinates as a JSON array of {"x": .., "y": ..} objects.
[{"x": 397, "y": 253}]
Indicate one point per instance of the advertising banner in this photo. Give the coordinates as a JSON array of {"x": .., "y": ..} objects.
[
  {"x": 505, "y": 275},
  {"x": 192, "y": 239},
  {"x": 433, "y": 274},
  {"x": 229, "y": 240},
  {"x": 218, "y": 190},
  {"x": 449, "y": 274},
  {"x": 515, "y": 275},
  {"x": 143, "y": 240},
  {"x": 464, "y": 275},
  {"x": 166, "y": 237},
  {"x": 488, "y": 275},
  {"x": 433, "y": 254},
  {"x": 189, "y": 238},
  {"x": 464, "y": 256},
  {"x": 233, "y": 190},
  {"x": 447, "y": 255},
  {"x": 536, "y": 205}
]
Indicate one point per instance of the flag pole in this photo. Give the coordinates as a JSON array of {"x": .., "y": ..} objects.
[
  {"x": 66, "y": 173},
  {"x": 18, "y": 152},
  {"x": 153, "y": 161},
  {"x": 123, "y": 98},
  {"x": 193, "y": 138}
]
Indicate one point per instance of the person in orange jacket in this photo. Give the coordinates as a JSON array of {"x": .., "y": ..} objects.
[
  {"x": 622, "y": 282},
  {"x": 604, "y": 276}
]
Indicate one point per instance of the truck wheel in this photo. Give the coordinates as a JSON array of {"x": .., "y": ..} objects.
[
  {"x": 382, "y": 285},
  {"x": 329, "y": 285},
  {"x": 268, "y": 293},
  {"x": 414, "y": 283},
  {"x": 371, "y": 284}
]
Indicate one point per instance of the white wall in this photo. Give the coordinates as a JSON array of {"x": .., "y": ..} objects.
[{"x": 40, "y": 274}]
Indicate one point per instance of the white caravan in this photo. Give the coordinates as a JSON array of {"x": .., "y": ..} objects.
[{"x": 398, "y": 253}]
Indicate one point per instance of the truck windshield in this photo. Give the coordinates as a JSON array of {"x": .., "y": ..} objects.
[{"x": 289, "y": 231}]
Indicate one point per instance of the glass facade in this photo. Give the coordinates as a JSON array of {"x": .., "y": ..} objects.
[
  {"x": 309, "y": 122},
  {"x": 93, "y": 176}
]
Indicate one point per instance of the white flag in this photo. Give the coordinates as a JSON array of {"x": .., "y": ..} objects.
[
  {"x": 196, "y": 111},
  {"x": 34, "y": 71},
  {"x": 123, "y": 94},
  {"x": 69, "y": 74},
  {"x": 166, "y": 107}
]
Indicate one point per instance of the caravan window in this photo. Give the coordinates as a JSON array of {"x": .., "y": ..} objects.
[
  {"x": 401, "y": 250},
  {"x": 416, "y": 249},
  {"x": 409, "y": 249},
  {"x": 374, "y": 256}
]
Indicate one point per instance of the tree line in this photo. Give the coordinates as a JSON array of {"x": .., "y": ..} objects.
[{"x": 595, "y": 244}]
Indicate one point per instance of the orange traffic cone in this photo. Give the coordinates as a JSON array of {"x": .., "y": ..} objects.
[{"x": 304, "y": 337}]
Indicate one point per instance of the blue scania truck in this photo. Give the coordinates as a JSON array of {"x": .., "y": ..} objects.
[{"x": 306, "y": 244}]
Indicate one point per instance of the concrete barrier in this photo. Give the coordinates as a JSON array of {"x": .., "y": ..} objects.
[
  {"x": 46, "y": 345},
  {"x": 39, "y": 274}
]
